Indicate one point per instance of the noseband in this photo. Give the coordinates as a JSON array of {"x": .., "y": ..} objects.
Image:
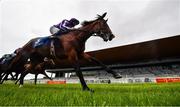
[{"x": 98, "y": 32}]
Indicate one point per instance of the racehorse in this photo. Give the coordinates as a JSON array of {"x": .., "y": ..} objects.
[
  {"x": 38, "y": 69},
  {"x": 4, "y": 66},
  {"x": 69, "y": 46},
  {"x": 5, "y": 71}
]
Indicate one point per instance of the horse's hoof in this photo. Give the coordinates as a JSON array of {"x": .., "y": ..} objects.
[
  {"x": 92, "y": 91},
  {"x": 20, "y": 86},
  {"x": 117, "y": 75},
  {"x": 88, "y": 89}
]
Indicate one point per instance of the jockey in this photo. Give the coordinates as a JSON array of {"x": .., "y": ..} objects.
[
  {"x": 64, "y": 26},
  {"x": 7, "y": 58}
]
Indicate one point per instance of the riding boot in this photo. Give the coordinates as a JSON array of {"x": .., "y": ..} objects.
[{"x": 52, "y": 36}]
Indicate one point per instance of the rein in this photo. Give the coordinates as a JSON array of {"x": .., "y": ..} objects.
[
  {"x": 97, "y": 31},
  {"x": 52, "y": 47}
]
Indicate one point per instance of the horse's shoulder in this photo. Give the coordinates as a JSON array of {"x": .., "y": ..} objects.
[{"x": 67, "y": 37}]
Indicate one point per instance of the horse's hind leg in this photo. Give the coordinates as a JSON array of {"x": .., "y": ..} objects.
[
  {"x": 16, "y": 76},
  {"x": 17, "y": 81}
]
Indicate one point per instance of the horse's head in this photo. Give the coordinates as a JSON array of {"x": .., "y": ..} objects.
[{"x": 100, "y": 28}]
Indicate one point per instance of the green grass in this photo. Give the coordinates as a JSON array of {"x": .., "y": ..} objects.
[{"x": 105, "y": 95}]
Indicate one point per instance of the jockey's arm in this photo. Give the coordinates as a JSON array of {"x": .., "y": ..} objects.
[
  {"x": 64, "y": 25},
  {"x": 70, "y": 28}
]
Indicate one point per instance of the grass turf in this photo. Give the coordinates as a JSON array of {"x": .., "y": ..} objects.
[{"x": 166, "y": 94}]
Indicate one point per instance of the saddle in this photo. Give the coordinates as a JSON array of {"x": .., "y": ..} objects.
[
  {"x": 47, "y": 41},
  {"x": 41, "y": 42}
]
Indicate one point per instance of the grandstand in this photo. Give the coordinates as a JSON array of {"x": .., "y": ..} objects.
[{"x": 140, "y": 62}]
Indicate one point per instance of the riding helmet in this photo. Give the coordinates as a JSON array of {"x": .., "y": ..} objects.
[{"x": 74, "y": 21}]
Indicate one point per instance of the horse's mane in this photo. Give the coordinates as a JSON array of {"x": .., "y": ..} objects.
[{"x": 84, "y": 23}]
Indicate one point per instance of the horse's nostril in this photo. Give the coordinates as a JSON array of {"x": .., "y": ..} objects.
[{"x": 111, "y": 37}]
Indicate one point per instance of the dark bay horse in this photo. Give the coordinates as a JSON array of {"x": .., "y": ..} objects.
[
  {"x": 38, "y": 69},
  {"x": 71, "y": 47},
  {"x": 5, "y": 71},
  {"x": 4, "y": 68}
]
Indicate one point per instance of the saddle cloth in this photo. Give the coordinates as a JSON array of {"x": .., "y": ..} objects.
[
  {"x": 7, "y": 58},
  {"x": 42, "y": 41},
  {"x": 47, "y": 41}
]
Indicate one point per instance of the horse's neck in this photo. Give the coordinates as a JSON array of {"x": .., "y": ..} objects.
[{"x": 85, "y": 33}]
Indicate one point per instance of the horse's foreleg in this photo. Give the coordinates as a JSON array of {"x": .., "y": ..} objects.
[
  {"x": 23, "y": 74},
  {"x": 1, "y": 77},
  {"x": 36, "y": 74},
  {"x": 5, "y": 75},
  {"x": 105, "y": 67},
  {"x": 74, "y": 60},
  {"x": 81, "y": 78}
]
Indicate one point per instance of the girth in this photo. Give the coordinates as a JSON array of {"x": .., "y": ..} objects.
[{"x": 52, "y": 49}]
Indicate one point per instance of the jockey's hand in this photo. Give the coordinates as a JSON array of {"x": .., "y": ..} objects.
[{"x": 73, "y": 29}]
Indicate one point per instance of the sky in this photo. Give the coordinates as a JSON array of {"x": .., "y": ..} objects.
[{"x": 131, "y": 21}]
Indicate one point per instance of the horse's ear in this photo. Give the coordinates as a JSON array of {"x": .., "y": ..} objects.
[
  {"x": 106, "y": 20},
  {"x": 103, "y": 15},
  {"x": 98, "y": 15}
]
